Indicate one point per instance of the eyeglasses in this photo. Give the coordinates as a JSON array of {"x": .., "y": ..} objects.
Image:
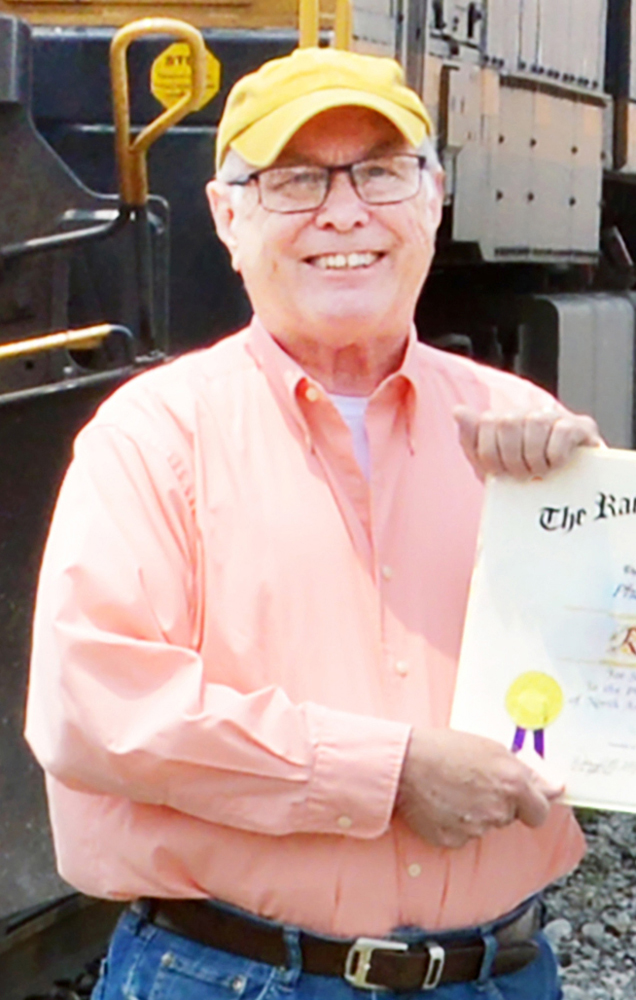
[{"x": 383, "y": 180}]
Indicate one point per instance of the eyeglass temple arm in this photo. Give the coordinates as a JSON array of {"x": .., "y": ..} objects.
[{"x": 309, "y": 23}]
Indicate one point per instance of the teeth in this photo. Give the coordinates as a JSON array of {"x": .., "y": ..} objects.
[{"x": 339, "y": 261}]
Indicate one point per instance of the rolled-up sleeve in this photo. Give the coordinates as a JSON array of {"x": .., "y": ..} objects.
[{"x": 120, "y": 701}]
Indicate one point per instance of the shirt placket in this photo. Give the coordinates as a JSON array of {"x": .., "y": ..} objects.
[
  {"x": 390, "y": 446},
  {"x": 329, "y": 440}
]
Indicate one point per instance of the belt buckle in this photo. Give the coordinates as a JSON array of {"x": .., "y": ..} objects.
[
  {"x": 360, "y": 956},
  {"x": 436, "y": 959}
]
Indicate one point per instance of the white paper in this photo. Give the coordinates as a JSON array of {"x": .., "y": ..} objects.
[{"x": 553, "y": 596}]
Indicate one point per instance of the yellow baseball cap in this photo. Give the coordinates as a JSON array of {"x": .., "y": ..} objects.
[{"x": 264, "y": 109}]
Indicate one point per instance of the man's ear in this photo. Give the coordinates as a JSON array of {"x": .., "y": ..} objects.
[{"x": 224, "y": 215}]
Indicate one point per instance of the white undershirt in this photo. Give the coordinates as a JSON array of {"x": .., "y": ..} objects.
[{"x": 352, "y": 409}]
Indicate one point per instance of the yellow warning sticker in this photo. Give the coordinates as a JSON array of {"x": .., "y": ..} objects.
[{"x": 171, "y": 75}]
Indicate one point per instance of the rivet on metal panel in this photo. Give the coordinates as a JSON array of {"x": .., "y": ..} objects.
[
  {"x": 533, "y": 143},
  {"x": 530, "y": 196},
  {"x": 499, "y": 195},
  {"x": 572, "y": 201},
  {"x": 575, "y": 150},
  {"x": 502, "y": 138}
]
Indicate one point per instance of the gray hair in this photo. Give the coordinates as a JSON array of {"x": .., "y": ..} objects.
[{"x": 235, "y": 168}]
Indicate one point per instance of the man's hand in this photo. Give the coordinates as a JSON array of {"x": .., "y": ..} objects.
[
  {"x": 523, "y": 444},
  {"x": 456, "y": 786}
]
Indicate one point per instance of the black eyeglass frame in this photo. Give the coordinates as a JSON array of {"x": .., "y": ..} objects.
[{"x": 346, "y": 168}]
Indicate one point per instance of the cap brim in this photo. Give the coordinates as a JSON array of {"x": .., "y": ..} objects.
[{"x": 262, "y": 142}]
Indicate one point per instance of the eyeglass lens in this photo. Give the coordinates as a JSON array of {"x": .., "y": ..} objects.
[{"x": 378, "y": 181}]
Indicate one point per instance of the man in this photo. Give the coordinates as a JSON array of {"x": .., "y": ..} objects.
[{"x": 252, "y": 598}]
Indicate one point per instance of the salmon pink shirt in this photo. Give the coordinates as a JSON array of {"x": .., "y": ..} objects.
[{"x": 236, "y": 631}]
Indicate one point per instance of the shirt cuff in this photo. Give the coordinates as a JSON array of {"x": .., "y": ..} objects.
[{"x": 357, "y": 764}]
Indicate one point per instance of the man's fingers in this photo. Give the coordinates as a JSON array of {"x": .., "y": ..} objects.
[
  {"x": 549, "y": 782},
  {"x": 478, "y": 438},
  {"x": 554, "y": 793},
  {"x": 533, "y": 805},
  {"x": 524, "y": 444},
  {"x": 488, "y": 455},
  {"x": 511, "y": 446},
  {"x": 567, "y": 433},
  {"x": 537, "y": 432}
]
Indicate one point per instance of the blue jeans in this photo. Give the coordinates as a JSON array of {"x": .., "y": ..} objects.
[{"x": 145, "y": 962}]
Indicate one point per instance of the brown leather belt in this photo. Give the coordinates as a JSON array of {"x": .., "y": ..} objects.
[{"x": 368, "y": 963}]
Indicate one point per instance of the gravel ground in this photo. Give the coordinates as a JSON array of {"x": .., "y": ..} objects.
[{"x": 592, "y": 913}]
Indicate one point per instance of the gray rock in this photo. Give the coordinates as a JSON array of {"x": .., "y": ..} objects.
[
  {"x": 594, "y": 933},
  {"x": 571, "y": 992},
  {"x": 619, "y": 922},
  {"x": 558, "y": 930}
]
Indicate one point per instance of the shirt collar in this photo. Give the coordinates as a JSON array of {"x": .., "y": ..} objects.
[{"x": 290, "y": 381}]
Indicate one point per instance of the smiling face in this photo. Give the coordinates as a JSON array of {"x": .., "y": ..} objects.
[{"x": 341, "y": 281}]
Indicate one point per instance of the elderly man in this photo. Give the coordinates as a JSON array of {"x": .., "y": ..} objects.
[{"x": 252, "y": 599}]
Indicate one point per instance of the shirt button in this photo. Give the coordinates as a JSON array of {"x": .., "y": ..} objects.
[
  {"x": 311, "y": 393},
  {"x": 387, "y": 572},
  {"x": 402, "y": 668},
  {"x": 414, "y": 870},
  {"x": 345, "y": 822}
]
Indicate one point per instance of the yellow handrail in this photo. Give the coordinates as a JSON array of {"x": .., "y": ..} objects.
[
  {"x": 309, "y": 23},
  {"x": 80, "y": 340},
  {"x": 343, "y": 24},
  {"x": 131, "y": 156}
]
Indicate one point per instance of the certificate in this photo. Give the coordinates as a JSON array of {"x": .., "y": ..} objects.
[{"x": 548, "y": 659}]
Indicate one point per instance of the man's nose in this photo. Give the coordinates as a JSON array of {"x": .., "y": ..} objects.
[{"x": 343, "y": 208}]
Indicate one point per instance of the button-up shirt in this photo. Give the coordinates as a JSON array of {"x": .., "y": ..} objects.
[{"x": 236, "y": 631}]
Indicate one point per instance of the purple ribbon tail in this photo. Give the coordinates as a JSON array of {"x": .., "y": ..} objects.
[
  {"x": 520, "y": 736},
  {"x": 539, "y": 742}
]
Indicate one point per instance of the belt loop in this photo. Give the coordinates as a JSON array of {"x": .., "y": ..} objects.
[
  {"x": 139, "y": 911},
  {"x": 291, "y": 936},
  {"x": 490, "y": 950}
]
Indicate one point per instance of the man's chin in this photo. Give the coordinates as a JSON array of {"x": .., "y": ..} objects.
[
  {"x": 348, "y": 311},
  {"x": 339, "y": 328}
]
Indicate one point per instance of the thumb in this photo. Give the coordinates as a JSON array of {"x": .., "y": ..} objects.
[
  {"x": 467, "y": 421},
  {"x": 533, "y": 806},
  {"x": 465, "y": 415},
  {"x": 549, "y": 781}
]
